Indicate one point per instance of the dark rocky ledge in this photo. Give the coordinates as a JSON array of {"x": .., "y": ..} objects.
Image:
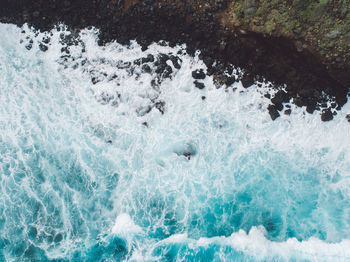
[{"x": 198, "y": 24}]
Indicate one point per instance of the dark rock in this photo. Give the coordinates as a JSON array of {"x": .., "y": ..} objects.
[
  {"x": 273, "y": 112},
  {"x": 176, "y": 61},
  {"x": 230, "y": 80},
  {"x": 268, "y": 96},
  {"x": 160, "y": 68},
  {"x": 95, "y": 80},
  {"x": 167, "y": 71},
  {"x": 280, "y": 97},
  {"x": 279, "y": 106},
  {"x": 29, "y": 46},
  {"x": 326, "y": 115},
  {"x": 203, "y": 98},
  {"x": 311, "y": 106},
  {"x": 348, "y": 117},
  {"x": 148, "y": 59},
  {"x": 287, "y": 112},
  {"x": 123, "y": 65},
  {"x": 198, "y": 74},
  {"x": 146, "y": 69},
  {"x": 199, "y": 85},
  {"x": 298, "y": 101},
  {"x": 46, "y": 40},
  {"x": 43, "y": 47},
  {"x": 247, "y": 80},
  {"x": 160, "y": 106}
]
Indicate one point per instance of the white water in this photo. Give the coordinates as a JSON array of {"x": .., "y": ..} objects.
[{"x": 78, "y": 171}]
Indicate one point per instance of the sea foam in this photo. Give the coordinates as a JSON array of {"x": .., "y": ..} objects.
[{"x": 91, "y": 170}]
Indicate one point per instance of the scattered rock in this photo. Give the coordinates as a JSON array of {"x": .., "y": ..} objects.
[
  {"x": 199, "y": 85},
  {"x": 198, "y": 74},
  {"x": 29, "y": 46},
  {"x": 176, "y": 61},
  {"x": 287, "y": 112},
  {"x": 326, "y": 115},
  {"x": 95, "y": 80},
  {"x": 43, "y": 47},
  {"x": 348, "y": 117},
  {"x": 46, "y": 40},
  {"x": 160, "y": 106},
  {"x": 148, "y": 59},
  {"x": 146, "y": 69},
  {"x": 273, "y": 112}
]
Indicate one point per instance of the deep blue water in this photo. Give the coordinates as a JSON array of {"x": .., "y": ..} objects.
[{"x": 86, "y": 174}]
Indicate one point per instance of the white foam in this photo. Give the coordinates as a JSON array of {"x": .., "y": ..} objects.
[
  {"x": 124, "y": 226},
  {"x": 65, "y": 111},
  {"x": 257, "y": 246}
]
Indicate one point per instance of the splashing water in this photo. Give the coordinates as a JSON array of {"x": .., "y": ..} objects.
[{"x": 100, "y": 160}]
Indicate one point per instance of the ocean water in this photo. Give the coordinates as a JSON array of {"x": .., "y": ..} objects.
[{"x": 91, "y": 170}]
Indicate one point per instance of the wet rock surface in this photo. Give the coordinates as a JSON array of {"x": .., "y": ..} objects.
[{"x": 196, "y": 23}]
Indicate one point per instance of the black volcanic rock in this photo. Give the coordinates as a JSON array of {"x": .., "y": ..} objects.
[
  {"x": 198, "y": 74},
  {"x": 348, "y": 117},
  {"x": 200, "y": 27},
  {"x": 280, "y": 97},
  {"x": 273, "y": 112},
  {"x": 247, "y": 80},
  {"x": 326, "y": 115},
  {"x": 199, "y": 85}
]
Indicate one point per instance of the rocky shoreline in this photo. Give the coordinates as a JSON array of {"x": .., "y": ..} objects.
[{"x": 204, "y": 26}]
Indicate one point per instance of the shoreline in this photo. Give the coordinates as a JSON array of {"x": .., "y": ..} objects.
[{"x": 276, "y": 59}]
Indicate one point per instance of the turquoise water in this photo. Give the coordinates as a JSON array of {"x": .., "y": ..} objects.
[{"x": 83, "y": 178}]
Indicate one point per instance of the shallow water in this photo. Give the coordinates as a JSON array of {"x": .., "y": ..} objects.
[{"x": 88, "y": 175}]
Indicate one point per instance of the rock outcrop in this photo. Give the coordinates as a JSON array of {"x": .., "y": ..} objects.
[{"x": 301, "y": 43}]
